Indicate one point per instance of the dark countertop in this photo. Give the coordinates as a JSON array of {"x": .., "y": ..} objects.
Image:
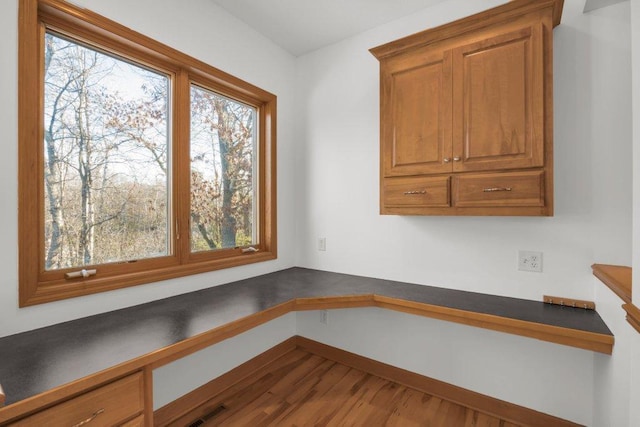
[{"x": 35, "y": 361}]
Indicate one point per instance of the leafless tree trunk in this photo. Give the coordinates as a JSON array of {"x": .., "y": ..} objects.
[
  {"x": 225, "y": 143},
  {"x": 87, "y": 238}
]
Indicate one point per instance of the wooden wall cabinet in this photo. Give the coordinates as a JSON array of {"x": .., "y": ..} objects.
[{"x": 467, "y": 115}]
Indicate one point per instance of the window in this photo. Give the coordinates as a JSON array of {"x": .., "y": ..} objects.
[
  {"x": 222, "y": 157},
  {"x": 137, "y": 163},
  {"x": 105, "y": 162}
]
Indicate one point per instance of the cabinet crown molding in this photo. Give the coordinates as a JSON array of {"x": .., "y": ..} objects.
[{"x": 471, "y": 23}]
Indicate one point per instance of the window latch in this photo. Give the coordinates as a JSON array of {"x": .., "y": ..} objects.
[
  {"x": 82, "y": 273},
  {"x": 249, "y": 250}
]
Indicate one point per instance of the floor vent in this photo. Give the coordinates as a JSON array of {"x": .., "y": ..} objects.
[{"x": 212, "y": 413}]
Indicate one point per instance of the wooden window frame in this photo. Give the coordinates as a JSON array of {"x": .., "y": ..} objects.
[{"x": 37, "y": 286}]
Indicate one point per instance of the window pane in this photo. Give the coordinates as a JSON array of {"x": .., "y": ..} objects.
[
  {"x": 223, "y": 149},
  {"x": 105, "y": 158}
]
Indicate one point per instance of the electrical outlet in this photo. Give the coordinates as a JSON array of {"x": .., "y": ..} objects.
[
  {"x": 324, "y": 316},
  {"x": 322, "y": 243},
  {"x": 530, "y": 261}
]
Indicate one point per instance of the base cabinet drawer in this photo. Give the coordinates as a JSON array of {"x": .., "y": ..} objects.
[
  {"x": 417, "y": 192},
  {"x": 515, "y": 189},
  {"x": 110, "y": 405}
]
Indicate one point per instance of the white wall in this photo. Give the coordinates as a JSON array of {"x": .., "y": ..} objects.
[
  {"x": 634, "y": 396},
  {"x": 635, "y": 54},
  {"x": 179, "y": 378},
  {"x": 196, "y": 27},
  {"x": 517, "y": 369},
  {"x": 337, "y": 169},
  {"x": 612, "y": 382},
  {"x": 337, "y": 95},
  {"x": 550, "y": 378},
  {"x": 634, "y": 415}
]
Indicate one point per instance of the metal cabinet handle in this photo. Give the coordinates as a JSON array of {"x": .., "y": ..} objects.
[
  {"x": 415, "y": 192},
  {"x": 446, "y": 160},
  {"x": 494, "y": 189},
  {"x": 457, "y": 159},
  {"x": 91, "y": 418}
]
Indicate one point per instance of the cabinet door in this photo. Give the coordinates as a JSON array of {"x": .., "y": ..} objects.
[
  {"x": 416, "y": 113},
  {"x": 498, "y": 98}
]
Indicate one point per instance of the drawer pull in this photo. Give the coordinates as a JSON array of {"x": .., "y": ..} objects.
[
  {"x": 494, "y": 189},
  {"x": 91, "y": 418},
  {"x": 415, "y": 192}
]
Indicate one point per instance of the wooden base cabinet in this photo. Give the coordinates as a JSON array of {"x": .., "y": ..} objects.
[
  {"x": 120, "y": 403},
  {"x": 466, "y": 120}
]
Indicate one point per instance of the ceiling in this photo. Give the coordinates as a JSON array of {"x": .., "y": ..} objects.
[{"x": 301, "y": 26}]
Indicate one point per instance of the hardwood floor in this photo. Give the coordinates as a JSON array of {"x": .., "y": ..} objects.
[{"x": 303, "y": 389}]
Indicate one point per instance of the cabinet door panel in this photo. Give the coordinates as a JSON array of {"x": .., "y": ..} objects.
[
  {"x": 499, "y": 102},
  {"x": 417, "y": 115}
]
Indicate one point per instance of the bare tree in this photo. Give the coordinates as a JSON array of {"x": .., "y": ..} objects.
[
  {"x": 223, "y": 137},
  {"x": 107, "y": 161},
  {"x": 95, "y": 173}
]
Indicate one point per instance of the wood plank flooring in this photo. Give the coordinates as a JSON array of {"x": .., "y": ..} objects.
[{"x": 303, "y": 389}]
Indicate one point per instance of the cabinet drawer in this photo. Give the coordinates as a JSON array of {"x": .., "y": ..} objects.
[
  {"x": 417, "y": 192},
  {"x": 108, "y": 405},
  {"x": 500, "y": 189}
]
